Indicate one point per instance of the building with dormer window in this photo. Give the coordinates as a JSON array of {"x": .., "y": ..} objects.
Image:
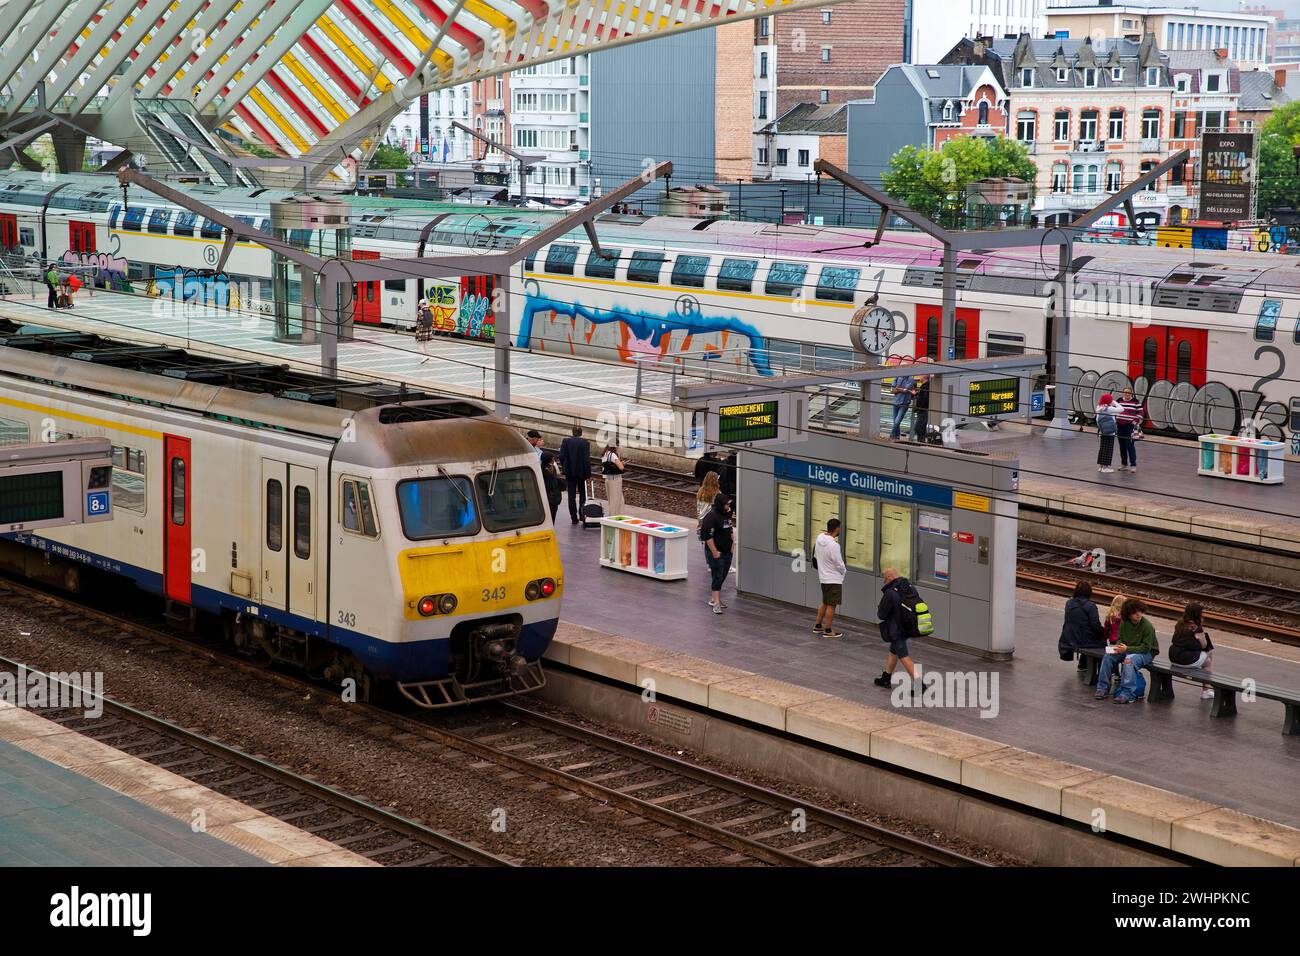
[
  {"x": 1093, "y": 116},
  {"x": 923, "y": 106}
]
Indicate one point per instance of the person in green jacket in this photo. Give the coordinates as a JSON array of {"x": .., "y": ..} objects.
[{"x": 1136, "y": 648}]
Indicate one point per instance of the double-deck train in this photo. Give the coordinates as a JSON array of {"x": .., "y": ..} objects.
[
  {"x": 1205, "y": 336},
  {"x": 361, "y": 533}
]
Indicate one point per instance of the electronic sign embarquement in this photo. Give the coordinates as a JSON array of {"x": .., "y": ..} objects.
[{"x": 748, "y": 421}]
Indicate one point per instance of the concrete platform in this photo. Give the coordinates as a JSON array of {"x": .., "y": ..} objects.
[
  {"x": 68, "y": 800},
  {"x": 542, "y": 386},
  {"x": 1166, "y": 774},
  {"x": 1165, "y": 494}
]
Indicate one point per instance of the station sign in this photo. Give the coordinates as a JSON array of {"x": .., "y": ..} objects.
[
  {"x": 991, "y": 397},
  {"x": 760, "y": 419},
  {"x": 861, "y": 482}
]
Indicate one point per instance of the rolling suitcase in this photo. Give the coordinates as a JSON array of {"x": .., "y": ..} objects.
[{"x": 592, "y": 511}]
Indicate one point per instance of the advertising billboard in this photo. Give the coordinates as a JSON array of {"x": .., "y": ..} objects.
[{"x": 1227, "y": 176}]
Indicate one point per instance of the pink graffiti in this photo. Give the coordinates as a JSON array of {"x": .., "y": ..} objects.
[{"x": 99, "y": 266}]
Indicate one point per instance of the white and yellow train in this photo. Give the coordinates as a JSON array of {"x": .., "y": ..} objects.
[{"x": 360, "y": 535}]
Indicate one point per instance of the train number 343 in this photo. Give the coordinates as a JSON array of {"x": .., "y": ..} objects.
[{"x": 494, "y": 594}]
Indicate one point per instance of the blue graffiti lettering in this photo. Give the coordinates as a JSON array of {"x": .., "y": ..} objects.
[{"x": 646, "y": 326}]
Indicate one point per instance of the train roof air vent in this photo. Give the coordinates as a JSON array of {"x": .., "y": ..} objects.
[{"x": 434, "y": 411}]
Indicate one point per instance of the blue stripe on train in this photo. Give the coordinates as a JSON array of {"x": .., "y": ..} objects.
[{"x": 416, "y": 660}]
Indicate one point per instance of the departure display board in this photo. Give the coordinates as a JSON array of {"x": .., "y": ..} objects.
[
  {"x": 751, "y": 421},
  {"x": 994, "y": 396},
  {"x": 31, "y": 497}
]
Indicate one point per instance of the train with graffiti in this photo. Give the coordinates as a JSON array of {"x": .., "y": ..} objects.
[{"x": 1201, "y": 327}]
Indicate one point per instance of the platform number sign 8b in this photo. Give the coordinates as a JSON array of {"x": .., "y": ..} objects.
[{"x": 97, "y": 503}]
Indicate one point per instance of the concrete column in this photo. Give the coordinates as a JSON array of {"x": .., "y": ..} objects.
[
  {"x": 1059, "y": 357},
  {"x": 501, "y": 349},
  {"x": 69, "y": 149},
  {"x": 947, "y": 324}
]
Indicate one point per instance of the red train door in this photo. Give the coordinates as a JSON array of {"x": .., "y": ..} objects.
[
  {"x": 81, "y": 236},
  {"x": 177, "y": 488},
  {"x": 8, "y": 230},
  {"x": 966, "y": 332},
  {"x": 1168, "y": 353},
  {"x": 367, "y": 293}
]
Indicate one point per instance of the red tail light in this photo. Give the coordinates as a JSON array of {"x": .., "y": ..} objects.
[
  {"x": 548, "y": 587},
  {"x": 427, "y": 606}
]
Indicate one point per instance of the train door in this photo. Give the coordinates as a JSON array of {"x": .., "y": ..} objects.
[
  {"x": 302, "y": 575},
  {"x": 367, "y": 294},
  {"x": 177, "y": 490},
  {"x": 1168, "y": 353},
  {"x": 966, "y": 332},
  {"x": 275, "y": 561},
  {"x": 81, "y": 236},
  {"x": 8, "y": 230}
]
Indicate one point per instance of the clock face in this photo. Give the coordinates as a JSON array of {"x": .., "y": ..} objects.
[{"x": 874, "y": 330}]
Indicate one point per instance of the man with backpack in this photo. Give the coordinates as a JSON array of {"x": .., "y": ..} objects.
[{"x": 900, "y": 605}]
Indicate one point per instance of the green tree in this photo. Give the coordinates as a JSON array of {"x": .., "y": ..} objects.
[
  {"x": 933, "y": 182},
  {"x": 389, "y": 157},
  {"x": 1276, "y": 183}
]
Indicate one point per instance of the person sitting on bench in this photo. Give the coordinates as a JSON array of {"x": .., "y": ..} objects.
[
  {"x": 1136, "y": 648},
  {"x": 1191, "y": 646}
]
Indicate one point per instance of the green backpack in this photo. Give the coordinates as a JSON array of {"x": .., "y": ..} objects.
[{"x": 917, "y": 619}]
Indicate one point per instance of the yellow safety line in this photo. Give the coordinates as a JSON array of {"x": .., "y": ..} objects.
[
  {"x": 84, "y": 419},
  {"x": 317, "y": 90},
  {"x": 278, "y": 118}
]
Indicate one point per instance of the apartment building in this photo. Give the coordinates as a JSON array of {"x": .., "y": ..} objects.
[
  {"x": 1243, "y": 35},
  {"x": 935, "y": 26}
]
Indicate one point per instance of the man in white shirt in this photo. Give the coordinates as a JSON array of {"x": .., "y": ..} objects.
[{"x": 830, "y": 572}]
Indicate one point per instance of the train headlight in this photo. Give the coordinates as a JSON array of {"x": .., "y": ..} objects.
[
  {"x": 533, "y": 591},
  {"x": 447, "y": 603},
  {"x": 427, "y": 606}
]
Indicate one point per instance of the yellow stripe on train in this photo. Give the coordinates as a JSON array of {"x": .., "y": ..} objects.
[{"x": 486, "y": 576}]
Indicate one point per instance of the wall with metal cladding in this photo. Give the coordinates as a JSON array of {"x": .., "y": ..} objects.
[{"x": 654, "y": 101}]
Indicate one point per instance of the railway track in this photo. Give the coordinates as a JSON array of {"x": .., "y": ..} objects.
[
  {"x": 732, "y": 821},
  {"x": 338, "y": 818},
  {"x": 1254, "y": 609}
]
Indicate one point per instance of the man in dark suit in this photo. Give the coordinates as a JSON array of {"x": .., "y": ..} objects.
[{"x": 575, "y": 459}]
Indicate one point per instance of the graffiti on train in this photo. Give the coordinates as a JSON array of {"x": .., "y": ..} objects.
[
  {"x": 105, "y": 271},
  {"x": 1279, "y": 239},
  {"x": 1185, "y": 409},
  {"x": 633, "y": 335}
]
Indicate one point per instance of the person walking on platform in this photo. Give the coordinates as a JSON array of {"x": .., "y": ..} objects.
[
  {"x": 709, "y": 489},
  {"x": 1107, "y": 426},
  {"x": 1136, "y": 648},
  {"x": 1191, "y": 645},
  {"x": 921, "y": 410},
  {"x": 893, "y": 628},
  {"x": 904, "y": 391},
  {"x": 1128, "y": 426},
  {"x": 550, "y": 472},
  {"x": 423, "y": 322},
  {"x": 830, "y": 573},
  {"x": 715, "y": 532},
  {"x": 1082, "y": 625},
  {"x": 52, "y": 285},
  {"x": 575, "y": 459},
  {"x": 611, "y": 469}
]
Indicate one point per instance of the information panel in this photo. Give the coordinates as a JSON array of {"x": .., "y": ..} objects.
[
  {"x": 791, "y": 502},
  {"x": 36, "y": 496},
  {"x": 859, "y": 533},
  {"x": 994, "y": 396},
  {"x": 748, "y": 421},
  {"x": 825, "y": 505}
]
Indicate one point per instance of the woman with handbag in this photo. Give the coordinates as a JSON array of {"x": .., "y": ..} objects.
[{"x": 1128, "y": 427}]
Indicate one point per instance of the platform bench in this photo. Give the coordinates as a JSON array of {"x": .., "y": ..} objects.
[{"x": 1225, "y": 686}]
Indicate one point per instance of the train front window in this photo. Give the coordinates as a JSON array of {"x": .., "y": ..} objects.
[
  {"x": 437, "y": 507},
  {"x": 509, "y": 499}
]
